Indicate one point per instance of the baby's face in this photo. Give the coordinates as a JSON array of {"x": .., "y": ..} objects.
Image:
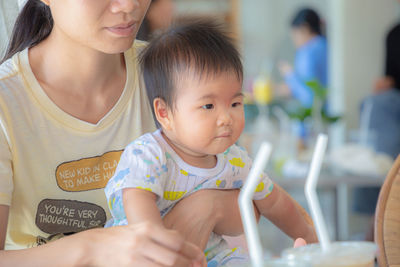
[{"x": 208, "y": 116}]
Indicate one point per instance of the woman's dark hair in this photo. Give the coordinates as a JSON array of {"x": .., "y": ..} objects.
[
  {"x": 201, "y": 47},
  {"x": 34, "y": 23},
  {"x": 309, "y": 18},
  {"x": 144, "y": 32}
]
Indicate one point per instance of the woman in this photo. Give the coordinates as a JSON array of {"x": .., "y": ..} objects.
[
  {"x": 70, "y": 100},
  {"x": 311, "y": 57}
]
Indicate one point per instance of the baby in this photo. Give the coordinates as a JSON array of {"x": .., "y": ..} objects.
[{"x": 193, "y": 75}]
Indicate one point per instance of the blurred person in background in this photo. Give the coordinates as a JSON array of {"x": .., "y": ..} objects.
[
  {"x": 384, "y": 123},
  {"x": 310, "y": 60},
  {"x": 392, "y": 62},
  {"x": 385, "y": 100}
]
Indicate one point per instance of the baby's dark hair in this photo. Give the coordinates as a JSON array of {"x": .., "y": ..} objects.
[{"x": 199, "y": 47}]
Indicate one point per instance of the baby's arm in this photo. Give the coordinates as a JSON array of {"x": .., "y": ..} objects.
[
  {"x": 287, "y": 214},
  {"x": 140, "y": 206}
]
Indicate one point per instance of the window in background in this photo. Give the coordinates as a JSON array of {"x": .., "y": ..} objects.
[{"x": 8, "y": 14}]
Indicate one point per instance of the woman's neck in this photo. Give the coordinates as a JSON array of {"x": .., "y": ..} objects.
[
  {"x": 58, "y": 61},
  {"x": 81, "y": 81}
]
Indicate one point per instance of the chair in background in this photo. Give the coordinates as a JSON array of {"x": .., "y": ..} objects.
[{"x": 387, "y": 219}]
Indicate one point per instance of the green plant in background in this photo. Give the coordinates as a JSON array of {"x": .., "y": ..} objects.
[{"x": 320, "y": 94}]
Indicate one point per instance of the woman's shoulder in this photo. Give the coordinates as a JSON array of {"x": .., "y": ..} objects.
[
  {"x": 10, "y": 79},
  {"x": 8, "y": 69},
  {"x": 320, "y": 42},
  {"x": 314, "y": 48},
  {"x": 13, "y": 78}
]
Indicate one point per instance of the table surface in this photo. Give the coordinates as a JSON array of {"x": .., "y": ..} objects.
[
  {"x": 329, "y": 178},
  {"x": 338, "y": 182}
]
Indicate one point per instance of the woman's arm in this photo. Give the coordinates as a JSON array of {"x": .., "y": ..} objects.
[
  {"x": 142, "y": 244},
  {"x": 35, "y": 256},
  {"x": 287, "y": 215},
  {"x": 206, "y": 211}
]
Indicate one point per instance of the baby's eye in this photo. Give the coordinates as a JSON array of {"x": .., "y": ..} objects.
[
  {"x": 236, "y": 104},
  {"x": 208, "y": 106}
]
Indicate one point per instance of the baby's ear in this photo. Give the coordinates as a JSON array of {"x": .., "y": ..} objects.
[{"x": 162, "y": 113}]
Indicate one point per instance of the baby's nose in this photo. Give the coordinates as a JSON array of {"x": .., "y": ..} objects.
[{"x": 224, "y": 118}]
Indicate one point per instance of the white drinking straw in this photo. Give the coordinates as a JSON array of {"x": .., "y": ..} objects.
[
  {"x": 311, "y": 194},
  {"x": 246, "y": 205}
]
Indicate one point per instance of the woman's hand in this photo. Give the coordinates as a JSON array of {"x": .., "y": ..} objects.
[
  {"x": 142, "y": 244},
  {"x": 205, "y": 211}
]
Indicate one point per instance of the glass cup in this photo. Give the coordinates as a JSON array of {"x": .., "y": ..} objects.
[
  {"x": 279, "y": 263},
  {"x": 286, "y": 263},
  {"x": 349, "y": 254}
]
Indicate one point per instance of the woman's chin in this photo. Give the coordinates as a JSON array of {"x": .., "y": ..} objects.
[{"x": 119, "y": 46}]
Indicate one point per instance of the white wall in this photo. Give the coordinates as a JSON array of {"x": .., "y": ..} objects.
[
  {"x": 8, "y": 14},
  {"x": 357, "y": 43},
  {"x": 201, "y": 7}
]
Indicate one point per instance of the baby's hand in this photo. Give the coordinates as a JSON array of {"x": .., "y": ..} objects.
[{"x": 299, "y": 242}]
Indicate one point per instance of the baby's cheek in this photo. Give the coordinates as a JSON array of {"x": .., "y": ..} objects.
[{"x": 240, "y": 124}]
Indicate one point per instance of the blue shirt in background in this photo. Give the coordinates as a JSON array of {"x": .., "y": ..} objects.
[{"x": 311, "y": 63}]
